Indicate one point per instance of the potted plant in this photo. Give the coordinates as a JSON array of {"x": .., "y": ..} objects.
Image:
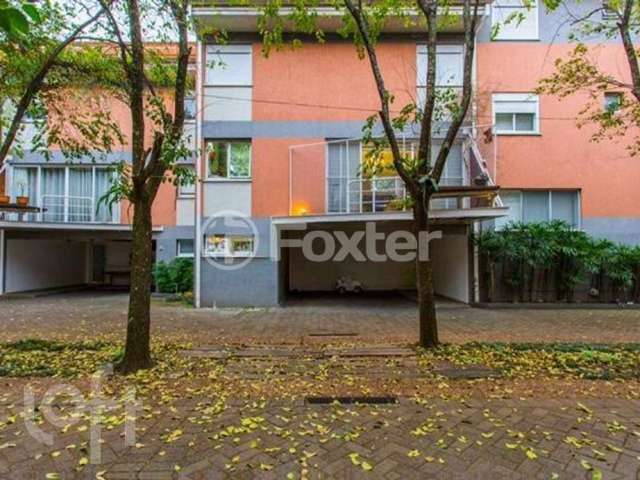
[
  {"x": 4, "y": 199},
  {"x": 22, "y": 199}
]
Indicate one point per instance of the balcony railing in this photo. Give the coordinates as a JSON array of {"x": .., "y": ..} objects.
[{"x": 67, "y": 209}]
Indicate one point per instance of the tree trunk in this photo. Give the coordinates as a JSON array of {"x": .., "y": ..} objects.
[
  {"x": 137, "y": 354},
  {"x": 424, "y": 280}
]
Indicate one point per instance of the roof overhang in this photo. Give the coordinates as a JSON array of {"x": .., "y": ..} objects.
[
  {"x": 454, "y": 215},
  {"x": 76, "y": 227},
  {"x": 245, "y": 19}
]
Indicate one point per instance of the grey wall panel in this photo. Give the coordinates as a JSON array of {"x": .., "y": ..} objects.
[
  {"x": 254, "y": 284},
  {"x": 623, "y": 230}
]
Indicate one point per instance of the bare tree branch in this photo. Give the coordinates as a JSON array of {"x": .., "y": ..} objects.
[
  {"x": 630, "y": 51},
  {"x": 470, "y": 19},
  {"x": 385, "y": 116},
  {"x": 430, "y": 10}
]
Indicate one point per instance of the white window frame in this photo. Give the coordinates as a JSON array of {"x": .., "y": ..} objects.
[
  {"x": 228, "y": 250},
  {"x": 519, "y": 217},
  {"x": 211, "y": 177},
  {"x": 39, "y": 182},
  {"x": 179, "y": 252},
  {"x": 514, "y": 31},
  {"x": 619, "y": 96},
  {"x": 188, "y": 194},
  {"x": 219, "y": 51},
  {"x": 530, "y": 99}
]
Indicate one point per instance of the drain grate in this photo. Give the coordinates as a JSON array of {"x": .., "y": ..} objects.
[
  {"x": 351, "y": 400},
  {"x": 333, "y": 334}
]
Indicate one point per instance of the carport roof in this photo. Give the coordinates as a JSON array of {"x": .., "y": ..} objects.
[
  {"x": 86, "y": 227},
  {"x": 457, "y": 215}
]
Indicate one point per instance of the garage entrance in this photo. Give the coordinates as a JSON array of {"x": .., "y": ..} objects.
[
  {"x": 45, "y": 259},
  {"x": 372, "y": 277}
]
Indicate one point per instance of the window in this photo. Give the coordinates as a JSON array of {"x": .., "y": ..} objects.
[
  {"x": 229, "y": 65},
  {"x": 190, "y": 108},
  {"x": 229, "y": 159},
  {"x": 187, "y": 190},
  {"x": 449, "y": 69},
  {"x": 185, "y": 248},
  {"x": 516, "y": 113},
  {"x": 68, "y": 194},
  {"x": 229, "y": 245},
  {"x": 540, "y": 206},
  {"x": 612, "y": 101},
  {"x": 514, "y": 20},
  {"x": 228, "y": 90}
]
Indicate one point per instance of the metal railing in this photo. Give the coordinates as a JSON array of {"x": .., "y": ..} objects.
[
  {"x": 381, "y": 194},
  {"x": 67, "y": 208}
]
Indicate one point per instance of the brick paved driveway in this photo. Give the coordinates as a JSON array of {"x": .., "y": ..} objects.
[
  {"x": 508, "y": 429},
  {"x": 385, "y": 319},
  {"x": 434, "y": 438}
]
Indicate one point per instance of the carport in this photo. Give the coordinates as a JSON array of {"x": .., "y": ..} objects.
[
  {"x": 454, "y": 262},
  {"x": 41, "y": 256}
]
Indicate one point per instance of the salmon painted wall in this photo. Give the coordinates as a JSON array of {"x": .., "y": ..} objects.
[
  {"x": 270, "y": 172},
  {"x": 562, "y": 156},
  {"x": 330, "y": 75},
  {"x": 163, "y": 211}
]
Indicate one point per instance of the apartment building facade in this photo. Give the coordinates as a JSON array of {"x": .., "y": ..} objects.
[{"x": 279, "y": 156}]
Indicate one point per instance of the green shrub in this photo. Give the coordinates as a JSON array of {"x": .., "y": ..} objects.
[
  {"x": 529, "y": 254},
  {"x": 175, "y": 276}
]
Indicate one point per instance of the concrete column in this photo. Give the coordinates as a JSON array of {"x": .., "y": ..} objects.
[{"x": 2, "y": 260}]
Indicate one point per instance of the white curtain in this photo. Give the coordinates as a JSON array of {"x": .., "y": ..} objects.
[
  {"x": 104, "y": 213},
  {"x": 80, "y": 194},
  {"x": 25, "y": 183},
  {"x": 53, "y": 194}
]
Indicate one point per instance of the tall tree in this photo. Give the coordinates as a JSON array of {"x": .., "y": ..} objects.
[
  {"x": 579, "y": 73},
  {"x": 38, "y": 67},
  {"x": 154, "y": 160},
  {"x": 443, "y": 109}
]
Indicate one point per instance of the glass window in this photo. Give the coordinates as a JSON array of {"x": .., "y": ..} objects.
[
  {"x": 53, "y": 194},
  {"x": 229, "y": 245},
  {"x": 612, "y": 101},
  {"x": 229, "y": 65},
  {"x": 190, "y": 108},
  {"x": 80, "y": 201},
  {"x": 514, "y": 20},
  {"x": 187, "y": 189},
  {"x": 515, "y": 113},
  {"x": 105, "y": 213},
  {"x": 564, "y": 206},
  {"x": 513, "y": 201},
  {"x": 541, "y": 206},
  {"x": 449, "y": 65},
  {"x": 185, "y": 248},
  {"x": 229, "y": 159},
  {"x": 535, "y": 206}
]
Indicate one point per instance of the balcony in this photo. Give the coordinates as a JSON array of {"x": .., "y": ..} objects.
[
  {"x": 326, "y": 179},
  {"x": 60, "y": 194}
]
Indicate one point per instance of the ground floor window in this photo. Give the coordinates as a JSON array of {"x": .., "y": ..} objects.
[
  {"x": 229, "y": 245},
  {"x": 541, "y": 206},
  {"x": 185, "y": 248}
]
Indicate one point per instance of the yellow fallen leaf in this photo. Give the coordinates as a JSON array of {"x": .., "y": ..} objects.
[
  {"x": 366, "y": 466},
  {"x": 413, "y": 453}
]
